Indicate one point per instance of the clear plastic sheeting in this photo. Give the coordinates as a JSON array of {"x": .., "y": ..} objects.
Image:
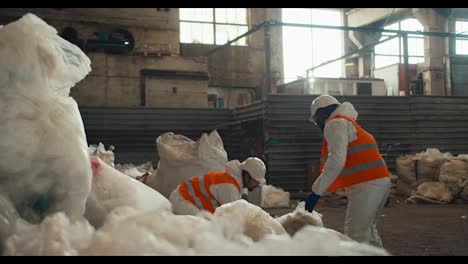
[
  {"x": 299, "y": 218},
  {"x": 274, "y": 197},
  {"x": 181, "y": 158},
  {"x": 8, "y": 218},
  {"x": 112, "y": 189},
  {"x": 44, "y": 162},
  {"x": 55, "y": 236},
  {"x": 127, "y": 231},
  {"x": 257, "y": 223}
]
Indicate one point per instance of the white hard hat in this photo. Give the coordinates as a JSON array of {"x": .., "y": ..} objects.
[
  {"x": 255, "y": 167},
  {"x": 323, "y": 100}
]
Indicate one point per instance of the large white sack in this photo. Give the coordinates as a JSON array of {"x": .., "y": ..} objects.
[
  {"x": 43, "y": 148},
  {"x": 274, "y": 197},
  {"x": 429, "y": 162},
  {"x": 181, "y": 158},
  {"x": 454, "y": 174},
  {"x": 112, "y": 189},
  {"x": 257, "y": 223},
  {"x": 299, "y": 218},
  {"x": 56, "y": 235},
  {"x": 432, "y": 192}
]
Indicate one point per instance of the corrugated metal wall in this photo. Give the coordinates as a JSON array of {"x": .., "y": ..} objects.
[
  {"x": 133, "y": 131},
  {"x": 440, "y": 122},
  {"x": 459, "y": 67},
  {"x": 241, "y": 115}
]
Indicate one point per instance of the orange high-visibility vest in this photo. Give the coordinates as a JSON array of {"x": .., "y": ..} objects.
[
  {"x": 363, "y": 159},
  {"x": 197, "y": 189}
]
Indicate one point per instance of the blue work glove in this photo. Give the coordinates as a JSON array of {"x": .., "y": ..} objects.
[{"x": 311, "y": 201}]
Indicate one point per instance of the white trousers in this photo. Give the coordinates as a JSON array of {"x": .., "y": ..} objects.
[
  {"x": 180, "y": 206},
  {"x": 365, "y": 203}
]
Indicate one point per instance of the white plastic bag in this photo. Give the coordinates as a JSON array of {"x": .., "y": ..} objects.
[
  {"x": 181, "y": 158},
  {"x": 112, "y": 189},
  {"x": 274, "y": 197},
  {"x": 43, "y": 148},
  {"x": 299, "y": 218}
]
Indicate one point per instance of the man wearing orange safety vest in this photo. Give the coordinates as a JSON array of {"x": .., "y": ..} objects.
[
  {"x": 351, "y": 160},
  {"x": 214, "y": 189}
]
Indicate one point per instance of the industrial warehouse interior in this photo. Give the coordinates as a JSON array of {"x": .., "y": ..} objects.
[{"x": 234, "y": 131}]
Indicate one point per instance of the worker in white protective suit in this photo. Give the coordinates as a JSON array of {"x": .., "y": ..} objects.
[
  {"x": 214, "y": 189},
  {"x": 351, "y": 160}
]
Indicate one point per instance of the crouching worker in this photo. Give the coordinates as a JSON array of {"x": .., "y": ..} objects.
[{"x": 214, "y": 189}]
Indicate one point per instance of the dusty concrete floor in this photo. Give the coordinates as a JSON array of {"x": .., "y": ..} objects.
[{"x": 408, "y": 229}]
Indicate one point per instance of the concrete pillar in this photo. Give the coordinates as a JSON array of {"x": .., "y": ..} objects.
[
  {"x": 276, "y": 49},
  {"x": 365, "y": 64},
  {"x": 365, "y": 57},
  {"x": 434, "y": 51},
  {"x": 257, "y": 41}
]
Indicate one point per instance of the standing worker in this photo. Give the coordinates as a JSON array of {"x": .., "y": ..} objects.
[
  {"x": 350, "y": 159},
  {"x": 217, "y": 188}
]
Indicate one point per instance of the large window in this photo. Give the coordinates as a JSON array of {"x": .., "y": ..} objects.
[
  {"x": 212, "y": 25},
  {"x": 391, "y": 52},
  {"x": 461, "y": 44},
  {"x": 304, "y": 48}
]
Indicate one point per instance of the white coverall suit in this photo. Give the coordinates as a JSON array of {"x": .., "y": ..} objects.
[
  {"x": 365, "y": 200},
  {"x": 224, "y": 193}
]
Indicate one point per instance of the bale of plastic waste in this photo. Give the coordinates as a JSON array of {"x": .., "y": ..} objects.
[
  {"x": 432, "y": 192},
  {"x": 454, "y": 174},
  {"x": 44, "y": 162},
  {"x": 112, "y": 189},
  {"x": 414, "y": 170},
  {"x": 274, "y": 197},
  {"x": 299, "y": 218},
  {"x": 181, "y": 158}
]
